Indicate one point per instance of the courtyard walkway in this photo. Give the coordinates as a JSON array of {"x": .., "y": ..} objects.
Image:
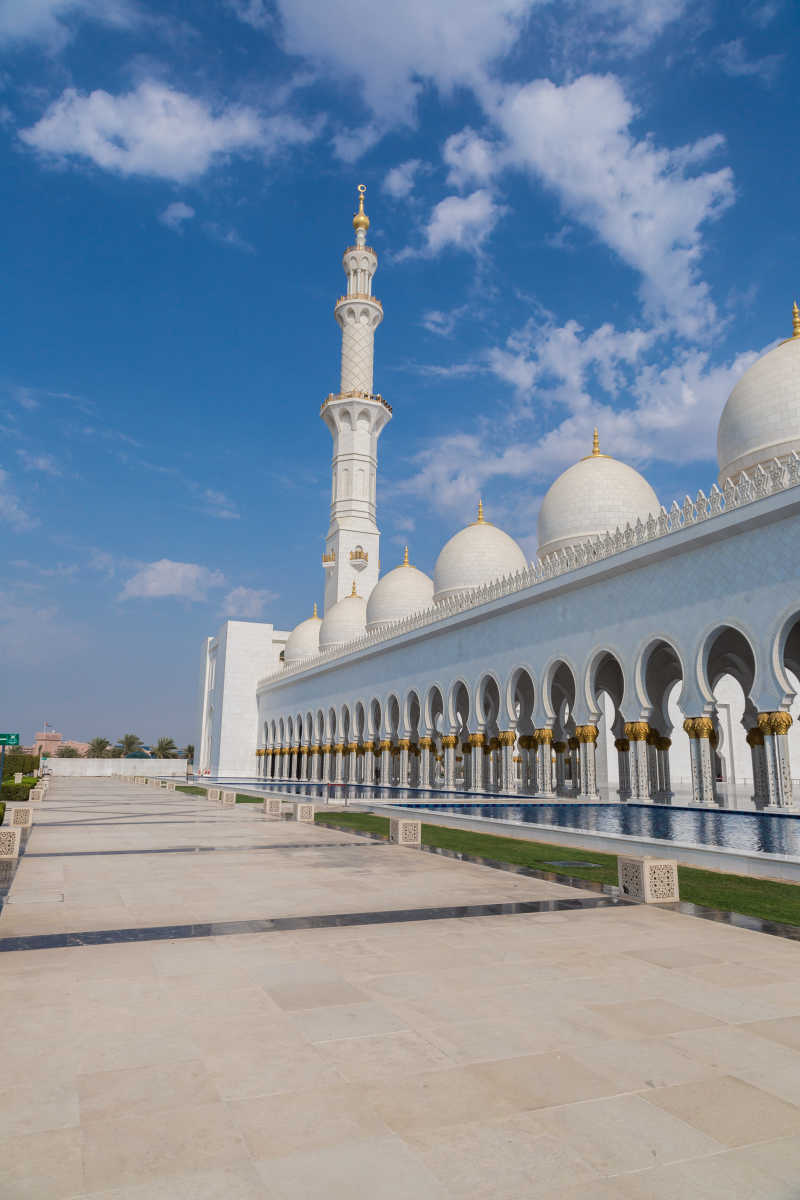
[{"x": 204, "y": 1018}]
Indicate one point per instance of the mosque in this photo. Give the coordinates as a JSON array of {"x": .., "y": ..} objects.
[{"x": 642, "y": 646}]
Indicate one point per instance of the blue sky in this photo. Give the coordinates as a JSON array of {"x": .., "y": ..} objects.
[{"x": 585, "y": 212}]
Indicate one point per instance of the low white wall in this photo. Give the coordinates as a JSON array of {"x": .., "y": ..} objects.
[{"x": 170, "y": 768}]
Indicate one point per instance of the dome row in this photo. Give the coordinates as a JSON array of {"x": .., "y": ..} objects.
[{"x": 760, "y": 421}]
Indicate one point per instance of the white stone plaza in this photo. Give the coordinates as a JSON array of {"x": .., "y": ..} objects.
[
  {"x": 646, "y": 649},
  {"x": 202, "y": 1034}
]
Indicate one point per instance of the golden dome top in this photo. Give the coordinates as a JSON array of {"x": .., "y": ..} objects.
[
  {"x": 405, "y": 562},
  {"x": 795, "y": 320},
  {"x": 361, "y": 220}
]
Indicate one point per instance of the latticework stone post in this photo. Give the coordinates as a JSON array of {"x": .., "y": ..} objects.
[
  {"x": 587, "y": 764},
  {"x": 700, "y": 730},
  {"x": 449, "y": 743},
  {"x": 636, "y": 732},
  {"x": 775, "y": 726},
  {"x": 476, "y": 741}
]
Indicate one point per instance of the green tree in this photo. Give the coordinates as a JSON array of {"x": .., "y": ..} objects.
[
  {"x": 98, "y": 748},
  {"x": 165, "y": 748},
  {"x": 67, "y": 752},
  {"x": 188, "y": 752},
  {"x": 130, "y": 743}
]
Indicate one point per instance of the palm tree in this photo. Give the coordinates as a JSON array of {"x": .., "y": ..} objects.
[
  {"x": 67, "y": 752},
  {"x": 98, "y": 748},
  {"x": 130, "y": 743},
  {"x": 188, "y": 752},
  {"x": 165, "y": 748}
]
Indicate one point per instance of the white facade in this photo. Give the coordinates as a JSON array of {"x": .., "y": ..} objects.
[
  {"x": 609, "y": 659},
  {"x": 231, "y": 665}
]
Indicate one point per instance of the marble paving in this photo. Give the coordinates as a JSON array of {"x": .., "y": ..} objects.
[{"x": 590, "y": 1053}]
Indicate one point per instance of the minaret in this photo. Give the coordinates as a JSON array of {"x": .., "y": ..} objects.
[{"x": 355, "y": 417}]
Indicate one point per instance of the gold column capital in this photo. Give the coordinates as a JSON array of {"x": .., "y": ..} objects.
[
  {"x": 775, "y": 723},
  {"x": 755, "y": 736},
  {"x": 573, "y": 743},
  {"x": 506, "y": 737},
  {"x": 623, "y": 745},
  {"x": 403, "y": 743},
  {"x": 559, "y": 747},
  {"x": 386, "y": 744},
  {"x": 544, "y": 734},
  {"x": 586, "y": 733},
  {"x": 699, "y": 727},
  {"x": 636, "y": 731},
  {"x": 425, "y": 743},
  {"x": 449, "y": 740},
  {"x": 477, "y": 739}
]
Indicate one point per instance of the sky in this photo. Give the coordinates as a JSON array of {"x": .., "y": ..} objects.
[{"x": 585, "y": 213}]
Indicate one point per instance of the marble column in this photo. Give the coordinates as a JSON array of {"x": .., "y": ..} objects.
[
  {"x": 449, "y": 743},
  {"x": 543, "y": 765},
  {"x": 587, "y": 765},
  {"x": 466, "y": 766},
  {"x": 338, "y": 762},
  {"x": 508, "y": 774},
  {"x": 476, "y": 742},
  {"x": 527, "y": 768},
  {"x": 425, "y": 762},
  {"x": 775, "y": 727},
  {"x": 560, "y": 750},
  {"x": 623, "y": 748},
  {"x": 368, "y": 763},
  {"x": 404, "y": 746},
  {"x": 755, "y": 740},
  {"x": 665, "y": 778},
  {"x": 700, "y": 730},
  {"x": 639, "y": 767},
  {"x": 385, "y": 749},
  {"x": 351, "y": 750},
  {"x": 573, "y": 745}
]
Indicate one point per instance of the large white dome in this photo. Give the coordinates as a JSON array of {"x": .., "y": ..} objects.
[
  {"x": 761, "y": 420},
  {"x": 476, "y": 555},
  {"x": 303, "y": 641},
  {"x": 400, "y": 592},
  {"x": 591, "y": 498},
  {"x": 344, "y": 621}
]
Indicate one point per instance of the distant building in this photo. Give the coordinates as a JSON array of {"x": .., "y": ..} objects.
[{"x": 51, "y": 742}]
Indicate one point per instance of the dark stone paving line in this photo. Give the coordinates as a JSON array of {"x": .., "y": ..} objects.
[
  {"x": 198, "y": 849},
  {"x": 158, "y": 933}
]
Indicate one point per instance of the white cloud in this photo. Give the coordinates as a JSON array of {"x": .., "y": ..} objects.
[
  {"x": 175, "y": 214},
  {"x": 733, "y": 58},
  {"x": 50, "y": 22},
  {"x": 253, "y": 12},
  {"x": 464, "y": 222},
  {"x": 217, "y": 504},
  {"x": 640, "y": 199},
  {"x": 390, "y": 52},
  {"x": 443, "y": 323},
  {"x": 247, "y": 602},
  {"x": 12, "y": 514},
  {"x": 156, "y": 130},
  {"x": 399, "y": 182},
  {"x": 39, "y": 462},
  {"x": 227, "y": 236},
  {"x": 187, "y": 581},
  {"x": 471, "y": 158}
]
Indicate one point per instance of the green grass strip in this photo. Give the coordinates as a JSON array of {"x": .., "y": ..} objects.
[
  {"x": 768, "y": 899},
  {"x": 191, "y": 791},
  {"x": 240, "y": 799}
]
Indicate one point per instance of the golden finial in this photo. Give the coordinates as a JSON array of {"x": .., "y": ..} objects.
[
  {"x": 596, "y": 444},
  {"x": 480, "y": 520},
  {"x": 315, "y": 608},
  {"x": 795, "y": 320},
  {"x": 405, "y": 562},
  {"x": 361, "y": 220},
  {"x": 354, "y": 592}
]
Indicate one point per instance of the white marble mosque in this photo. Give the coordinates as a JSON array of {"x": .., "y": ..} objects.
[{"x": 643, "y": 648}]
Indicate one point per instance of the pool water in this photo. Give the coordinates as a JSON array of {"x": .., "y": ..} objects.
[{"x": 761, "y": 833}]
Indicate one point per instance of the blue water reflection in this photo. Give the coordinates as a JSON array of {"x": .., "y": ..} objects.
[{"x": 759, "y": 832}]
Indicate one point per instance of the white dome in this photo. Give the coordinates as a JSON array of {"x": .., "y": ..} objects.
[
  {"x": 591, "y": 498},
  {"x": 303, "y": 641},
  {"x": 344, "y": 621},
  {"x": 400, "y": 592},
  {"x": 761, "y": 420},
  {"x": 474, "y": 556}
]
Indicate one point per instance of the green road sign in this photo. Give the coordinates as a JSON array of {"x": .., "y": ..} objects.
[{"x": 9, "y": 739}]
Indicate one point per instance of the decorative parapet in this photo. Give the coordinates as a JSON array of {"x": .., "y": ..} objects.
[
  {"x": 358, "y": 555},
  {"x": 329, "y": 559},
  {"x": 776, "y": 477},
  {"x": 375, "y": 397}
]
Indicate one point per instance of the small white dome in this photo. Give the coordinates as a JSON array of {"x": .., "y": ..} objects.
[
  {"x": 400, "y": 592},
  {"x": 590, "y": 498},
  {"x": 303, "y": 641},
  {"x": 761, "y": 420},
  {"x": 344, "y": 621},
  {"x": 478, "y": 554}
]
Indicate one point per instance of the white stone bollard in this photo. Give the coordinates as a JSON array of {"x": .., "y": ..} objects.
[
  {"x": 648, "y": 880},
  {"x": 212, "y": 794},
  {"x": 35, "y": 794},
  {"x": 405, "y": 831},
  {"x": 170, "y": 787},
  {"x": 303, "y": 811},
  {"x": 20, "y": 815},
  {"x": 18, "y": 777},
  {"x": 9, "y": 841},
  {"x": 273, "y": 806},
  {"x": 227, "y": 799}
]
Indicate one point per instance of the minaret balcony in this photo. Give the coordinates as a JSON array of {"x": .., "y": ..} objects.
[
  {"x": 359, "y": 296},
  {"x": 376, "y": 398},
  {"x": 359, "y": 558},
  {"x": 328, "y": 560}
]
